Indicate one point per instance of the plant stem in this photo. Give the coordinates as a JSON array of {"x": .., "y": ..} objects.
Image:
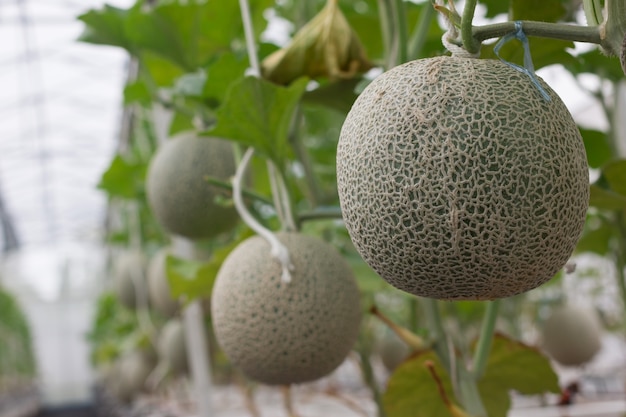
[
  {"x": 370, "y": 380},
  {"x": 540, "y": 29},
  {"x": 250, "y": 195},
  {"x": 620, "y": 258},
  {"x": 320, "y": 213},
  {"x": 470, "y": 44},
  {"x": 437, "y": 332},
  {"x": 593, "y": 12},
  {"x": 483, "y": 348},
  {"x": 470, "y": 396},
  {"x": 399, "y": 17},
  {"x": 386, "y": 24},
  {"x": 615, "y": 26},
  {"x": 418, "y": 39}
]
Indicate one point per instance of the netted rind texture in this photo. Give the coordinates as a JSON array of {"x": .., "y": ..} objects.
[
  {"x": 458, "y": 180},
  {"x": 180, "y": 197},
  {"x": 279, "y": 333},
  {"x": 172, "y": 348},
  {"x": 572, "y": 335}
]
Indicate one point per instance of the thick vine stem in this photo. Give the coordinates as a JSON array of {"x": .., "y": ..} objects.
[
  {"x": 277, "y": 249},
  {"x": 469, "y": 42},
  {"x": 588, "y": 34},
  {"x": 614, "y": 27}
]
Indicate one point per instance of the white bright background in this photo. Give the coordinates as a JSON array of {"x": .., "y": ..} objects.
[{"x": 59, "y": 119}]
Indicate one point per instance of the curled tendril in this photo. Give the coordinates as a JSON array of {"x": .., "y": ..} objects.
[
  {"x": 277, "y": 249},
  {"x": 528, "y": 67}
]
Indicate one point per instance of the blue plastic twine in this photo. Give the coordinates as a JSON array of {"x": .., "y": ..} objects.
[{"x": 528, "y": 67}]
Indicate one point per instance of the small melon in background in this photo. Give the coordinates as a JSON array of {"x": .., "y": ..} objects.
[
  {"x": 129, "y": 270},
  {"x": 392, "y": 350},
  {"x": 129, "y": 376},
  {"x": 286, "y": 333},
  {"x": 158, "y": 285},
  {"x": 172, "y": 348},
  {"x": 572, "y": 335},
  {"x": 180, "y": 197}
]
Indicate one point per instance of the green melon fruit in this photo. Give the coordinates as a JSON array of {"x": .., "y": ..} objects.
[
  {"x": 130, "y": 374},
  {"x": 172, "y": 348},
  {"x": 392, "y": 350},
  {"x": 458, "y": 180},
  {"x": 181, "y": 199},
  {"x": 127, "y": 268},
  {"x": 572, "y": 335},
  {"x": 158, "y": 286},
  {"x": 286, "y": 333}
]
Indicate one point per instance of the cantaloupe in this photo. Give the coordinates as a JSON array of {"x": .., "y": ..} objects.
[
  {"x": 161, "y": 298},
  {"x": 572, "y": 335},
  {"x": 181, "y": 199},
  {"x": 129, "y": 270},
  {"x": 129, "y": 375},
  {"x": 392, "y": 350},
  {"x": 171, "y": 347},
  {"x": 282, "y": 333},
  {"x": 458, "y": 180}
]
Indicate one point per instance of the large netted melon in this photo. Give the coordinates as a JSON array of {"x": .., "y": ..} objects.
[
  {"x": 286, "y": 333},
  {"x": 128, "y": 378},
  {"x": 161, "y": 298},
  {"x": 458, "y": 180},
  {"x": 572, "y": 335},
  {"x": 180, "y": 197}
]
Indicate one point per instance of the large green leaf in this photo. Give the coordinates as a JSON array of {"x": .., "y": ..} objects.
[
  {"x": 123, "y": 178},
  {"x": 190, "y": 33},
  {"x": 227, "y": 69},
  {"x": 137, "y": 92},
  {"x": 412, "y": 391},
  {"x": 597, "y": 147},
  {"x": 514, "y": 366},
  {"x": 606, "y": 199},
  {"x": 615, "y": 175},
  {"x": 105, "y": 27},
  {"x": 258, "y": 113}
]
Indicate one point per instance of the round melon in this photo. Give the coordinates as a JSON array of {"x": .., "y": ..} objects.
[
  {"x": 180, "y": 197},
  {"x": 129, "y": 271},
  {"x": 392, "y": 350},
  {"x": 158, "y": 286},
  {"x": 172, "y": 347},
  {"x": 572, "y": 335},
  {"x": 458, "y": 180},
  {"x": 286, "y": 333},
  {"x": 130, "y": 375}
]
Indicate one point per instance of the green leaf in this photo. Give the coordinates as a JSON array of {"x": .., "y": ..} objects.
[
  {"x": 412, "y": 391},
  {"x": 162, "y": 71},
  {"x": 190, "y": 33},
  {"x": 137, "y": 92},
  {"x": 595, "y": 239},
  {"x": 606, "y": 199},
  {"x": 105, "y": 27},
  {"x": 597, "y": 147},
  {"x": 338, "y": 95},
  {"x": 514, "y": 366},
  {"x": 221, "y": 75},
  {"x": 496, "y": 7},
  {"x": 258, "y": 113},
  {"x": 539, "y": 10},
  {"x": 193, "y": 279},
  {"x": 615, "y": 175},
  {"x": 123, "y": 178},
  {"x": 191, "y": 84}
]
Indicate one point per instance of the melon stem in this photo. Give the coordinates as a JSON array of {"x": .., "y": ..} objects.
[
  {"x": 277, "y": 249},
  {"x": 483, "y": 348},
  {"x": 470, "y": 44}
]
